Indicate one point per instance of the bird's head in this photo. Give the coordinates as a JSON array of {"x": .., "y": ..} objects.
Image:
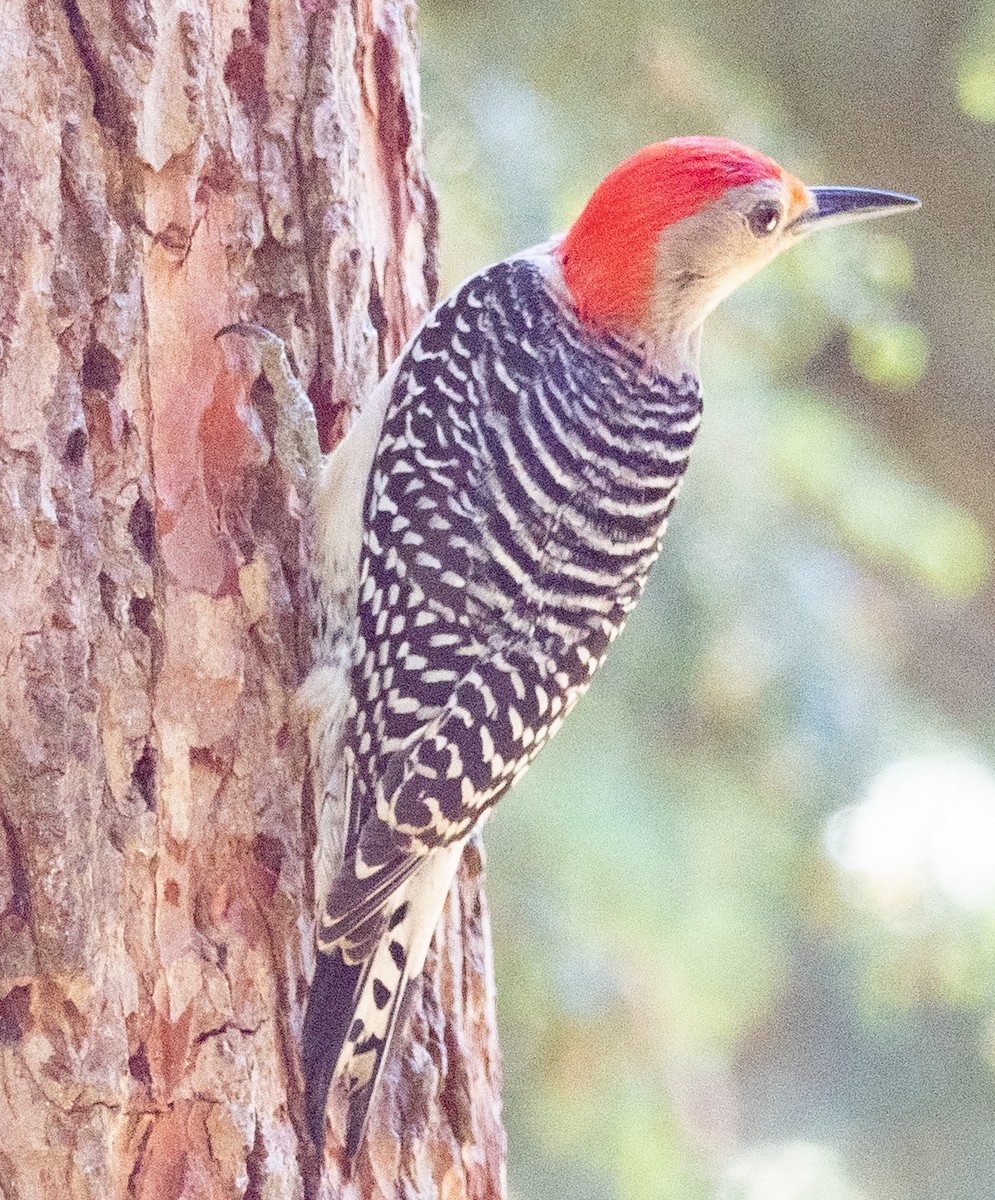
[{"x": 679, "y": 225}]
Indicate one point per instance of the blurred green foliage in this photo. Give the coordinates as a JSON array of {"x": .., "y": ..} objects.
[{"x": 709, "y": 985}]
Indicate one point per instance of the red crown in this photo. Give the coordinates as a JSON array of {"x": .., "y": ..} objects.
[{"x": 607, "y": 255}]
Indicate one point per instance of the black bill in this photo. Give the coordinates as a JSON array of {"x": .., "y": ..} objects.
[{"x": 838, "y": 205}]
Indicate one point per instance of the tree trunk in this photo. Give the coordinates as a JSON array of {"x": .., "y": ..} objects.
[{"x": 167, "y": 167}]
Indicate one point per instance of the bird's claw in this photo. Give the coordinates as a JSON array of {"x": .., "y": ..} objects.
[{"x": 295, "y": 437}]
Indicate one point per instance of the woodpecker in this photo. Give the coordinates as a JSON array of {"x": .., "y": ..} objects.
[{"x": 485, "y": 529}]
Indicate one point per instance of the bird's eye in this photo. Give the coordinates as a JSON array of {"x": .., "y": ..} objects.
[{"x": 763, "y": 218}]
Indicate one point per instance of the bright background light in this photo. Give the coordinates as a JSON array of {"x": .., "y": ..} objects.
[
  {"x": 791, "y": 1171},
  {"x": 925, "y": 827}
]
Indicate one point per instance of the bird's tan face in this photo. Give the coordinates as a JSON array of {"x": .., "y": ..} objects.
[
  {"x": 679, "y": 225},
  {"x": 704, "y": 257}
]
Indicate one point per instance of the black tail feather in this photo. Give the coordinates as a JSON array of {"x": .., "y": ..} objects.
[{"x": 330, "y": 1005}]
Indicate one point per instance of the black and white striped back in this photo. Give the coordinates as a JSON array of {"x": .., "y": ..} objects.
[{"x": 518, "y": 497}]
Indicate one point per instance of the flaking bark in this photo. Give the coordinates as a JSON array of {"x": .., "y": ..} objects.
[{"x": 166, "y": 168}]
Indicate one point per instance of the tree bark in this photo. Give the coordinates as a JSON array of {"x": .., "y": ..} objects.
[{"x": 167, "y": 167}]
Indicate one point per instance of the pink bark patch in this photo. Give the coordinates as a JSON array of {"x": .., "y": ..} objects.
[
  {"x": 177, "y": 1163},
  {"x": 204, "y": 438},
  {"x": 168, "y": 1047}
]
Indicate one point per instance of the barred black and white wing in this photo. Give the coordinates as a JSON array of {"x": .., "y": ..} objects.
[{"x": 515, "y": 502}]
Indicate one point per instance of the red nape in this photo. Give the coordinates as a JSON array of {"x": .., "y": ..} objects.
[{"x": 607, "y": 255}]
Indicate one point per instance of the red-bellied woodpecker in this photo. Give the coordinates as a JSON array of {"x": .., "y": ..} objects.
[{"x": 484, "y": 530}]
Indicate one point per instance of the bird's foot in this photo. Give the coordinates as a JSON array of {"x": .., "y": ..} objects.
[{"x": 295, "y": 436}]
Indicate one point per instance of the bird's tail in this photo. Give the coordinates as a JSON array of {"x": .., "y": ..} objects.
[
  {"x": 354, "y": 1012},
  {"x": 330, "y": 1003}
]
